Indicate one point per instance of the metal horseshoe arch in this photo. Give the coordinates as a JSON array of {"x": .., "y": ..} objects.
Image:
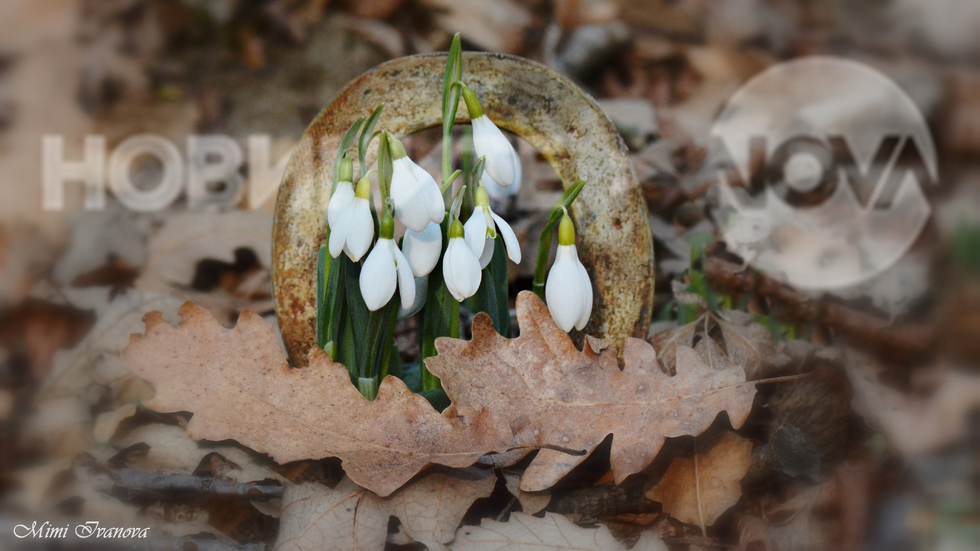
[{"x": 523, "y": 97}]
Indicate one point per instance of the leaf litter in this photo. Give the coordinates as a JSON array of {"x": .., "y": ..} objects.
[
  {"x": 239, "y": 386},
  {"x": 561, "y": 397}
]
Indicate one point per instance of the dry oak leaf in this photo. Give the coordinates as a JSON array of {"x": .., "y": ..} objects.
[
  {"x": 531, "y": 502},
  {"x": 750, "y": 345},
  {"x": 239, "y": 386},
  {"x": 698, "y": 489},
  {"x": 667, "y": 342},
  {"x": 554, "y": 395},
  {"x": 347, "y": 517},
  {"x": 526, "y": 533},
  {"x": 747, "y": 343},
  {"x": 914, "y": 425}
]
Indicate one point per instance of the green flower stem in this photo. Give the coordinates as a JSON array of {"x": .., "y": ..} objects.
[
  {"x": 450, "y": 104},
  {"x": 440, "y": 315},
  {"x": 447, "y": 185},
  {"x": 368, "y": 386},
  {"x": 384, "y": 166},
  {"x": 541, "y": 268},
  {"x": 345, "y": 144},
  {"x": 367, "y": 136},
  {"x": 544, "y": 245},
  {"x": 492, "y": 296},
  {"x": 330, "y": 301},
  {"x": 435, "y": 320},
  {"x": 322, "y": 269}
]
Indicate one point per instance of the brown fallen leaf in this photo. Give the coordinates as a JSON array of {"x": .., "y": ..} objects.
[
  {"x": 36, "y": 330},
  {"x": 747, "y": 343},
  {"x": 526, "y": 533},
  {"x": 495, "y": 26},
  {"x": 667, "y": 342},
  {"x": 750, "y": 345},
  {"x": 93, "y": 368},
  {"x": 239, "y": 386},
  {"x": 554, "y": 395},
  {"x": 914, "y": 424},
  {"x": 698, "y": 489},
  {"x": 790, "y": 526},
  {"x": 531, "y": 502},
  {"x": 107, "y": 423},
  {"x": 92, "y": 371},
  {"x": 168, "y": 449},
  {"x": 350, "y": 517},
  {"x": 218, "y": 260}
]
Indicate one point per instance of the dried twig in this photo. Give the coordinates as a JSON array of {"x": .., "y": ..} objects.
[
  {"x": 152, "y": 482},
  {"x": 606, "y": 500},
  {"x": 862, "y": 327}
]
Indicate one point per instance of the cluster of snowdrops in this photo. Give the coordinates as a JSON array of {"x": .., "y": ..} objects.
[{"x": 473, "y": 266}]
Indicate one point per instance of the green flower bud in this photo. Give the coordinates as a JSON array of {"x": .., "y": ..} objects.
[
  {"x": 387, "y": 230},
  {"x": 566, "y": 230},
  {"x": 456, "y": 229},
  {"x": 472, "y": 102},
  {"x": 363, "y": 189},
  {"x": 346, "y": 172},
  {"x": 397, "y": 149},
  {"x": 482, "y": 198}
]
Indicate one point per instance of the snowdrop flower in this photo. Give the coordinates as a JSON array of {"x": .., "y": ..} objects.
[
  {"x": 421, "y": 294},
  {"x": 481, "y": 230},
  {"x": 503, "y": 163},
  {"x": 414, "y": 191},
  {"x": 422, "y": 249},
  {"x": 343, "y": 194},
  {"x": 568, "y": 290},
  {"x": 385, "y": 269},
  {"x": 460, "y": 267},
  {"x": 496, "y": 191},
  {"x": 354, "y": 229}
]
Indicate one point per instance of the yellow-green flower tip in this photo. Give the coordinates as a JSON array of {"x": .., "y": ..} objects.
[
  {"x": 346, "y": 171},
  {"x": 396, "y": 148},
  {"x": 482, "y": 198},
  {"x": 456, "y": 229},
  {"x": 472, "y": 102},
  {"x": 566, "y": 230},
  {"x": 387, "y": 229},
  {"x": 363, "y": 189}
]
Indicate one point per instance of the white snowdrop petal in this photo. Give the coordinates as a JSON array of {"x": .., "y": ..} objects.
[
  {"x": 406, "y": 280},
  {"x": 421, "y": 293},
  {"x": 586, "y": 285},
  {"x": 461, "y": 270},
  {"x": 407, "y": 195},
  {"x": 422, "y": 249},
  {"x": 468, "y": 273},
  {"x": 510, "y": 238},
  {"x": 340, "y": 200},
  {"x": 563, "y": 289},
  {"x": 487, "y": 255},
  {"x": 435, "y": 205},
  {"x": 490, "y": 142},
  {"x": 496, "y": 191},
  {"x": 361, "y": 231},
  {"x": 338, "y": 233},
  {"x": 448, "y": 274},
  {"x": 475, "y": 231},
  {"x": 378, "y": 279},
  {"x": 516, "y": 159}
]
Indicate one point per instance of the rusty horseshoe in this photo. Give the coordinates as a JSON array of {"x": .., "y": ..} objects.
[{"x": 521, "y": 96}]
